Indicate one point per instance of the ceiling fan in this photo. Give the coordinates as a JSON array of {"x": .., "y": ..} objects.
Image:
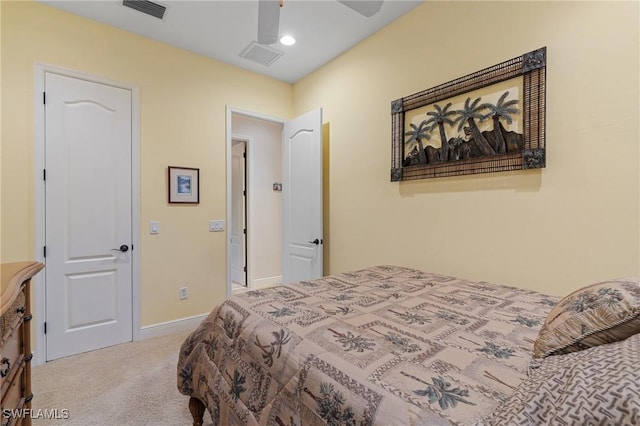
[{"x": 269, "y": 15}]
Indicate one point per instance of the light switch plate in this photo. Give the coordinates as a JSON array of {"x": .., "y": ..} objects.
[
  {"x": 154, "y": 227},
  {"x": 216, "y": 225}
]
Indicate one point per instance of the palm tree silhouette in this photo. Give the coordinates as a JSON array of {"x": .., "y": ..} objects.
[
  {"x": 417, "y": 133},
  {"x": 500, "y": 110},
  {"x": 469, "y": 114},
  {"x": 454, "y": 145},
  {"x": 441, "y": 117}
]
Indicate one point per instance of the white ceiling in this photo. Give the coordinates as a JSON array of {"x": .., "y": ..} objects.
[{"x": 223, "y": 29}]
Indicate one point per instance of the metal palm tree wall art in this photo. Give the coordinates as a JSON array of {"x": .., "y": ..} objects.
[{"x": 491, "y": 120}]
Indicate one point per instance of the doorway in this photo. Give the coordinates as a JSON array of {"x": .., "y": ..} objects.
[
  {"x": 254, "y": 202},
  {"x": 284, "y": 202}
]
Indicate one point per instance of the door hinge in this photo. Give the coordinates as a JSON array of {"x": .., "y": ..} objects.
[
  {"x": 44, "y": 98},
  {"x": 245, "y": 269},
  {"x": 44, "y": 251},
  {"x": 244, "y": 155},
  {"x": 244, "y": 231},
  {"x": 44, "y": 174},
  {"x": 244, "y": 192},
  {"x": 45, "y": 328}
]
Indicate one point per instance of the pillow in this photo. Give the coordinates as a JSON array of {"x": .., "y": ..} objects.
[
  {"x": 598, "y": 386},
  {"x": 594, "y": 315}
]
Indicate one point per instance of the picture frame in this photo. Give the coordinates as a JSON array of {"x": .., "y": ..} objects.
[
  {"x": 509, "y": 98},
  {"x": 183, "y": 185}
]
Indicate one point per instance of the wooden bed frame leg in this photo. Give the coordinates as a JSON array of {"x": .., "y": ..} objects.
[{"x": 197, "y": 409}]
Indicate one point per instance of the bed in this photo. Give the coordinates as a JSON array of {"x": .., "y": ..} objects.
[{"x": 390, "y": 345}]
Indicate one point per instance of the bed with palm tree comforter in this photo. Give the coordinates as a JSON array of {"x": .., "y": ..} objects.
[{"x": 385, "y": 345}]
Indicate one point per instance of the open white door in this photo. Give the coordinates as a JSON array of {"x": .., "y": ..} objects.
[
  {"x": 238, "y": 228},
  {"x": 302, "y": 198}
]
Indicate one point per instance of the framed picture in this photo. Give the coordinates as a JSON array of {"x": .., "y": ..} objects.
[
  {"x": 184, "y": 185},
  {"x": 492, "y": 120}
]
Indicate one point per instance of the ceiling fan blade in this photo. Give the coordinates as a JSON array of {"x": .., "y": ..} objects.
[
  {"x": 367, "y": 8},
  {"x": 268, "y": 21}
]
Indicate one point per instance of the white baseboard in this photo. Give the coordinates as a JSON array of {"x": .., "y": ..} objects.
[
  {"x": 164, "y": 328},
  {"x": 266, "y": 282},
  {"x": 148, "y": 332}
]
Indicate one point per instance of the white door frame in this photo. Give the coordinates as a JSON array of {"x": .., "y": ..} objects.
[
  {"x": 39, "y": 199},
  {"x": 230, "y": 136}
]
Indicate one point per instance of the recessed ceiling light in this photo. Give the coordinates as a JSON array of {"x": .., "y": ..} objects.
[{"x": 287, "y": 40}]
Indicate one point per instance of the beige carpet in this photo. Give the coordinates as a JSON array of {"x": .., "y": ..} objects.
[{"x": 129, "y": 384}]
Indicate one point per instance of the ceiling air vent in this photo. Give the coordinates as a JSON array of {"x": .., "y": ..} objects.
[
  {"x": 363, "y": 7},
  {"x": 145, "y": 6},
  {"x": 261, "y": 54}
]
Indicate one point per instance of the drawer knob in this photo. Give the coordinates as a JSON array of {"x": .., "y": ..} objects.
[{"x": 5, "y": 371}]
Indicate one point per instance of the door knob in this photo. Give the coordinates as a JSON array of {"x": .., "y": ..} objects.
[
  {"x": 316, "y": 241},
  {"x": 123, "y": 248}
]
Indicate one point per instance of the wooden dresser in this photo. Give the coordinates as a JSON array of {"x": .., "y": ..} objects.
[{"x": 15, "y": 343}]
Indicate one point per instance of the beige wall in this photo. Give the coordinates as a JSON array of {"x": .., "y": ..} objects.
[
  {"x": 182, "y": 112},
  {"x": 573, "y": 223}
]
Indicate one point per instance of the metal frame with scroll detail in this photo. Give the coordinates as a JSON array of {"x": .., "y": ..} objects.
[{"x": 530, "y": 67}]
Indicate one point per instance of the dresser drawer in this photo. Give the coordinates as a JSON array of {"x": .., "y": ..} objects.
[
  {"x": 15, "y": 341},
  {"x": 12, "y": 318},
  {"x": 19, "y": 419},
  {"x": 13, "y": 393},
  {"x": 12, "y": 354}
]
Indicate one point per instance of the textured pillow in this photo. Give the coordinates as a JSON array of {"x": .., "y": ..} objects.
[
  {"x": 598, "y": 386},
  {"x": 594, "y": 315}
]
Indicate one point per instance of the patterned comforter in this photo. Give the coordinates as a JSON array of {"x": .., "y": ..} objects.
[{"x": 385, "y": 345}]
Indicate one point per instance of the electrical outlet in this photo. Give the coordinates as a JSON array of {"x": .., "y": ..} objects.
[{"x": 184, "y": 293}]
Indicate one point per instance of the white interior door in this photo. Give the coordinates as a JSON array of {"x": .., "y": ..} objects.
[
  {"x": 238, "y": 212},
  {"x": 88, "y": 224},
  {"x": 302, "y": 196}
]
